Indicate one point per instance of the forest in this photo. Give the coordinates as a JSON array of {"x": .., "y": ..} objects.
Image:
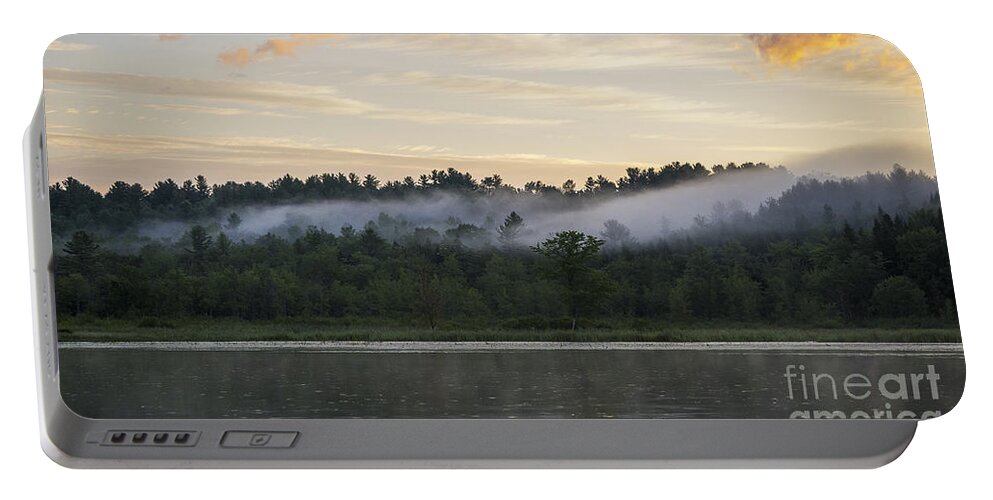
[{"x": 851, "y": 253}]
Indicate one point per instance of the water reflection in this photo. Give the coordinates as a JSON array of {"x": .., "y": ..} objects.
[{"x": 129, "y": 383}]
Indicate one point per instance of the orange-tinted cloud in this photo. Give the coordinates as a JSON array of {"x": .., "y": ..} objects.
[
  {"x": 271, "y": 48},
  {"x": 882, "y": 63},
  {"x": 843, "y": 57},
  {"x": 170, "y": 37},
  {"x": 792, "y": 50},
  {"x": 237, "y": 57}
]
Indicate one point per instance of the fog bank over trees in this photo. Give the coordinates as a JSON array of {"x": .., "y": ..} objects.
[
  {"x": 650, "y": 214},
  {"x": 644, "y": 206}
]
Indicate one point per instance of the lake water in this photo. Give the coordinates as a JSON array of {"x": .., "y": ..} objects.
[{"x": 641, "y": 381}]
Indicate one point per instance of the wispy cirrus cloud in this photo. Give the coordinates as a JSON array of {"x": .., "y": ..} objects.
[
  {"x": 669, "y": 137},
  {"x": 758, "y": 148},
  {"x": 640, "y": 105},
  {"x": 271, "y": 48},
  {"x": 423, "y": 148},
  {"x": 575, "y": 96},
  {"x": 98, "y": 159},
  {"x": 61, "y": 46},
  {"x": 214, "y": 110},
  {"x": 275, "y": 149},
  {"x": 563, "y": 52},
  {"x": 437, "y": 117},
  {"x": 279, "y": 94},
  {"x": 274, "y": 97}
]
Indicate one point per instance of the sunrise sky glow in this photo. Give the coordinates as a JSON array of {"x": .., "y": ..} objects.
[{"x": 142, "y": 108}]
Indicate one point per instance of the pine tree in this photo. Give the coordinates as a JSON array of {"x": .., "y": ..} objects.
[
  {"x": 511, "y": 230},
  {"x": 82, "y": 251},
  {"x": 200, "y": 243}
]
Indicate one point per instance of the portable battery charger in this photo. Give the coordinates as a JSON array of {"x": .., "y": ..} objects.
[{"x": 477, "y": 251}]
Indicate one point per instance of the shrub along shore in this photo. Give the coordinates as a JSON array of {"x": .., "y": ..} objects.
[{"x": 322, "y": 330}]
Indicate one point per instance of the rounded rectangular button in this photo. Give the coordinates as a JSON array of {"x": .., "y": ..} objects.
[{"x": 258, "y": 439}]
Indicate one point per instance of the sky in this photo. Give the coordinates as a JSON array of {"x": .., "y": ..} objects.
[{"x": 142, "y": 108}]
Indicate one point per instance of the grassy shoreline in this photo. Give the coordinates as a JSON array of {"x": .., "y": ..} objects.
[{"x": 220, "y": 331}]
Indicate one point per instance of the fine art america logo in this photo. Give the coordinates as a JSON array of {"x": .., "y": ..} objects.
[{"x": 882, "y": 397}]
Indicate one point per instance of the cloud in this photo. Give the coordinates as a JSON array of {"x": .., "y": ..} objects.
[
  {"x": 237, "y": 57},
  {"x": 763, "y": 149},
  {"x": 214, "y": 110},
  {"x": 858, "y": 63},
  {"x": 274, "y": 96},
  {"x": 171, "y": 37},
  {"x": 271, "y": 49},
  {"x": 861, "y": 158},
  {"x": 657, "y": 106},
  {"x": 572, "y": 52},
  {"x": 885, "y": 65},
  {"x": 60, "y": 46},
  {"x": 592, "y": 97},
  {"x": 437, "y": 117},
  {"x": 316, "y": 98},
  {"x": 100, "y": 159},
  {"x": 673, "y": 138},
  {"x": 422, "y": 148},
  {"x": 793, "y": 50}
]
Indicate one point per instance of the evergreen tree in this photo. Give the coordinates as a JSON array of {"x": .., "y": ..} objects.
[
  {"x": 571, "y": 254},
  {"x": 200, "y": 243},
  {"x": 82, "y": 251},
  {"x": 511, "y": 230}
]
